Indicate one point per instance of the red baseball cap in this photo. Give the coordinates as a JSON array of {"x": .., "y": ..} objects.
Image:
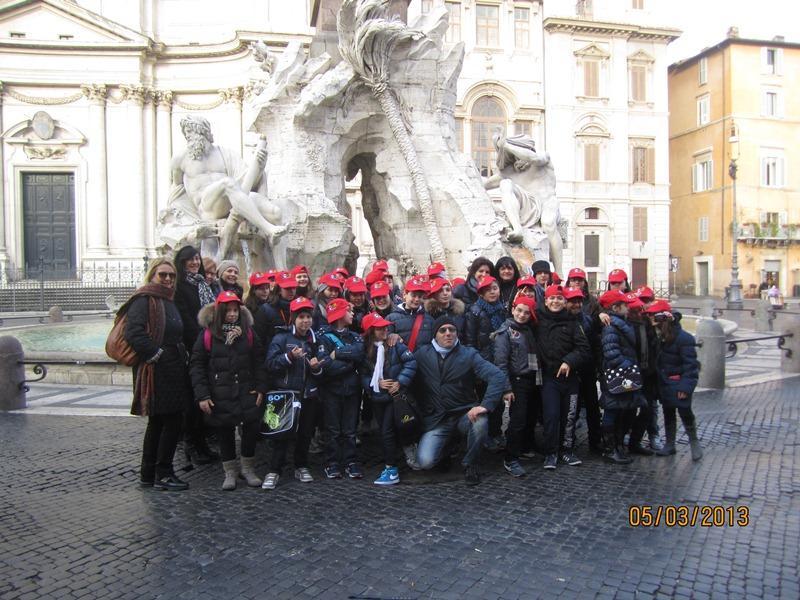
[
  {"x": 576, "y": 274},
  {"x": 611, "y": 297},
  {"x": 645, "y": 292},
  {"x": 336, "y": 309},
  {"x": 617, "y": 276},
  {"x": 458, "y": 281},
  {"x": 227, "y": 296},
  {"x": 570, "y": 293},
  {"x": 416, "y": 284},
  {"x": 380, "y": 265},
  {"x": 529, "y": 281},
  {"x": 301, "y": 303},
  {"x": 436, "y": 269},
  {"x": 374, "y": 276},
  {"x": 659, "y": 306},
  {"x": 286, "y": 280},
  {"x": 486, "y": 282},
  {"x": 341, "y": 272},
  {"x": 299, "y": 269},
  {"x": 373, "y": 320},
  {"x": 272, "y": 274},
  {"x": 436, "y": 284},
  {"x": 529, "y": 302},
  {"x": 379, "y": 288},
  {"x": 554, "y": 276},
  {"x": 355, "y": 285},
  {"x": 331, "y": 281},
  {"x": 259, "y": 278},
  {"x": 633, "y": 300},
  {"x": 553, "y": 290}
]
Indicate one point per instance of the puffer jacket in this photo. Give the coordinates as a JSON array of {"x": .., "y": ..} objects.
[
  {"x": 467, "y": 292},
  {"x": 456, "y": 309},
  {"x": 399, "y": 365},
  {"x": 479, "y": 328},
  {"x": 446, "y": 386},
  {"x": 403, "y": 324},
  {"x": 228, "y": 374},
  {"x": 340, "y": 375},
  {"x": 560, "y": 339},
  {"x": 513, "y": 343},
  {"x": 678, "y": 369},
  {"x": 269, "y": 317},
  {"x": 286, "y": 373},
  {"x": 619, "y": 352}
]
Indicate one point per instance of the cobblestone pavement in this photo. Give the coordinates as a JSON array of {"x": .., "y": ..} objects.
[{"x": 73, "y": 523}]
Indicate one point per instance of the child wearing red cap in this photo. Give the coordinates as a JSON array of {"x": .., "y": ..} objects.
[
  {"x": 258, "y": 293},
  {"x": 293, "y": 366},
  {"x": 229, "y": 382},
  {"x": 340, "y": 350},
  {"x": 275, "y": 312},
  {"x": 328, "y": 288},
  {"x": 381, "y": 298},
  {"x": 618, "y": 280},
  {"x": 386, "y": 371},
  {"x": 440, "y": 301},
  {"x": 409, "y": 320},
  {"x": 355, "y": 292},
  {"x": 305, "y": 287}
]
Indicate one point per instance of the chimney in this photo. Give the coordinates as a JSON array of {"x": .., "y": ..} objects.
[
  {"x": 779, "y": 38},
  {"x": 733, "y": 32}
]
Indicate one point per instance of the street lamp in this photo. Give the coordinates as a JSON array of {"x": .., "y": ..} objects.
[{"x": 735, "y": 287}]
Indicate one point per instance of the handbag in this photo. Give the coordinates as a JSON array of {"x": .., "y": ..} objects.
[
  {"x": 281, "y": 414},
  {"x": 621, "y": 381},
  {"x": 407, "y": 421},
  {"x": 117, "y": 347}
]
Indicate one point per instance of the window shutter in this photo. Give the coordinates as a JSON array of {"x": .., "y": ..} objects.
[
  {"x": 650, "y": 165},
  {"x": 778, "y": 61},
  {"x": 694, "y": 177},
  {"x": 762, "y": 218},
  {"x": 782, "y": 217}
]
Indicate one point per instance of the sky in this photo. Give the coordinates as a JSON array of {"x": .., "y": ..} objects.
[{"x": 705, "y": 22}]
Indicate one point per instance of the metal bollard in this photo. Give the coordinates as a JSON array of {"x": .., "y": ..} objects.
[
  {"x": 711, "y": 354},
  {"x": 707, "y": 308},
  {"x": 12, "y": 374},
  {"x": 791, "y": 363},
  {"x": 764, "y": 316}
]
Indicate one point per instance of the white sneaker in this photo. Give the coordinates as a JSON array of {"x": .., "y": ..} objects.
[
  {"x": 303, "y": 474},
  {"x": 270, "y": 481},
  {"x": 410, "y": 452}
]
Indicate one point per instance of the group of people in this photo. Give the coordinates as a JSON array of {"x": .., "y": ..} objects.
[{"x": 349, "y": 349}]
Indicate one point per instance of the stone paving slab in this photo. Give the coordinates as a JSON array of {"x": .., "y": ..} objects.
[{"x": 73, "y": 524}]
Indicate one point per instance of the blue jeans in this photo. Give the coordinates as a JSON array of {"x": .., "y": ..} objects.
[{"x": 432, "y": 443}]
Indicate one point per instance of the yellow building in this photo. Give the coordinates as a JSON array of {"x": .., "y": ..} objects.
[{"x": 739, "y": 99}]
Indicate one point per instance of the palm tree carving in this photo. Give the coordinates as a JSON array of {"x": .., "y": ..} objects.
[{"x": 367, "y": 37}]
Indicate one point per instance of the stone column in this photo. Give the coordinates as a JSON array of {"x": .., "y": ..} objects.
[
  {"x": 135, "y": 198},
  {"x": 2, "y": 182},
  {"x": 163, "y": 101},
  {"x": 150, "y": 170},
  {"x": 235, "y": 96},
  {"x": 96, "y": 221}
]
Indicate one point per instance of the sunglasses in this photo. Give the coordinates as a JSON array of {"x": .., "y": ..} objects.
[{"x": 166, "y": 275}]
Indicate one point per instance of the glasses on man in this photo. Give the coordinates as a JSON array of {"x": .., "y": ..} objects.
[
  {"x": 447, "y": 329},
  {"x": 165, "y": 276}
]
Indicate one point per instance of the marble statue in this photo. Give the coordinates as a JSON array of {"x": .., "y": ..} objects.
[{"x": 527, "y": 184}]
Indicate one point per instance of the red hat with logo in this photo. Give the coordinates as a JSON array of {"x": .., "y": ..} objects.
[
  {"x": 355, "y": 285},
  {"x": 576, "y": 274},
  {"x": 258, "y": 278},
  {"x": 436, "y": 269},
  {"x": 416, "y": 284},
  {"x": 272, "y": 274},
  {"x": 611, "y": 297},
  {"x": 341, "y": 273},
  {"x": 286, "y": 280},
  {"x": 436, "y": 284},
  {"x": 380, "y": 265},
  {"x": 659, "y": 306},
  {"x": 458, "y": 281},
  {"x": 617, "y": 276},
  {"x": 227, "y": 296},
  {"x": 633, "y": 300},
  {"x": 331, "y": 281},
  {"x": 336, "y": 309},
  {"x": 645, "y": 293},
  {"x": 374, "y": 276},
  {"x": 301, "y": 303},
  {"x": 572, "y": 293},
  {"x": 378, "y": 289},
  {"x": 485, "y": 283},
  {"x": 553, "y": 290},
  {"x": 555, "y": 277},
  {"x": 527, "y": 301},
  {"x": 526, "y": 281},
  {"x": 299, "y": 269},
  {"x": 373, "y": 320}
]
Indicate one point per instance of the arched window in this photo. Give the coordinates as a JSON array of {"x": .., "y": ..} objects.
[{"x": 487, "y": 113}]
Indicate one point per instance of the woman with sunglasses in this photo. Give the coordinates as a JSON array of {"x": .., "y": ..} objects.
[{"x": 161, "y": 391}]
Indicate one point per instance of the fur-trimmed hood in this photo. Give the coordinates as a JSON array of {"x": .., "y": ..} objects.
[
  {"x": 457, "y": 307},
  {"x": 206, "y": 318}
]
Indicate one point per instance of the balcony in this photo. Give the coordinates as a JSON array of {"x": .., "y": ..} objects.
[{"x": 769, "y": 235}]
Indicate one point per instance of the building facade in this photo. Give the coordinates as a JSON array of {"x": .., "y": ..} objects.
[{"x": 736, "y": 100}]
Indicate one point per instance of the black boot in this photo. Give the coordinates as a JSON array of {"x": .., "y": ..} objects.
[
  {"x": 670, "y": 428},
  {"x": 694, "y": 443}
]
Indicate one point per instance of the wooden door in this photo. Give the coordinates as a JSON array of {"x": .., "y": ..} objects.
[{"x": 48, "y": 207}]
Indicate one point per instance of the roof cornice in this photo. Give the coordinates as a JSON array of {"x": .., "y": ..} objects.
[{"x": 629, "y": 30}]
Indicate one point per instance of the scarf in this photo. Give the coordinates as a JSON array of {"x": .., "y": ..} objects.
[
  {"x": 443, "y": 351},
  {"x": 495, "y": 310},
  {"x": 377, "y": 373},
  {"x": 203, "y": 289},
  {"x": 232, "y": 332}
]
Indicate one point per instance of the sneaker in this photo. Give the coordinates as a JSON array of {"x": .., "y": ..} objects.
[
  {"x": 333, "y": 472},
  {"x": 304, "y": 475},
  {"x": 569, "y": 458},
  {"x": 389, "y": 476},
  {"x": 410, "y": 452},
  {"x": 471, "y": 475},
  {"x": 270, "y": 481},
  {"x": 550, "y": 461},
  {"x": 514, "y": 468},
  {"x": 354, "y": 471},
  {"x": 170, "y": 483}
]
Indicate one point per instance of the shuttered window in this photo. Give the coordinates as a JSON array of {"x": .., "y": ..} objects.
[{"x": 639, "y": 223}]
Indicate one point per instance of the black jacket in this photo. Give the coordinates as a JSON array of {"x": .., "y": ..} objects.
[
  {"x": 646, "y": 346},
  {"x": 512, "y": 345},
  {"x": 479, "y": 328},
  {"x": 286, "y": 373},
  {"x": 170, "y": 374},
  {"x": 187, "y": 300},
  {"x": 403, "y": 324},
  {"x": 228, "y": 374},
  {"x": 560, "y": 339},
  {"x": 339, "y": 376},
  {"x": 446, "y": 386},
  {"x": 399, "y": 364},
  {"x": 467, "y": 292},
  {"x": 268, "y": 317}
]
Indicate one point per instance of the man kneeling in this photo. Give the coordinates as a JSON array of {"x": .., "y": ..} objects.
[{"x": 445, "y": 384}]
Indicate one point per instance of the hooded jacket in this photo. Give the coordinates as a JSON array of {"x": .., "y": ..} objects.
[
  {"x": 513, "y": 343},
  {"x": 287, "y": 373},
  {"x": 678, "y": 369},
  {"x": 340, "y": 375},
  {"x": 456, "y": 309},
  {"x": 479, "y": 328}
]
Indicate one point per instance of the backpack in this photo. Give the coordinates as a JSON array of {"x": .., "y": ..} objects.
[
  {"x": 207, "y": 339},
  {"x": 117, "y": 347}
]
